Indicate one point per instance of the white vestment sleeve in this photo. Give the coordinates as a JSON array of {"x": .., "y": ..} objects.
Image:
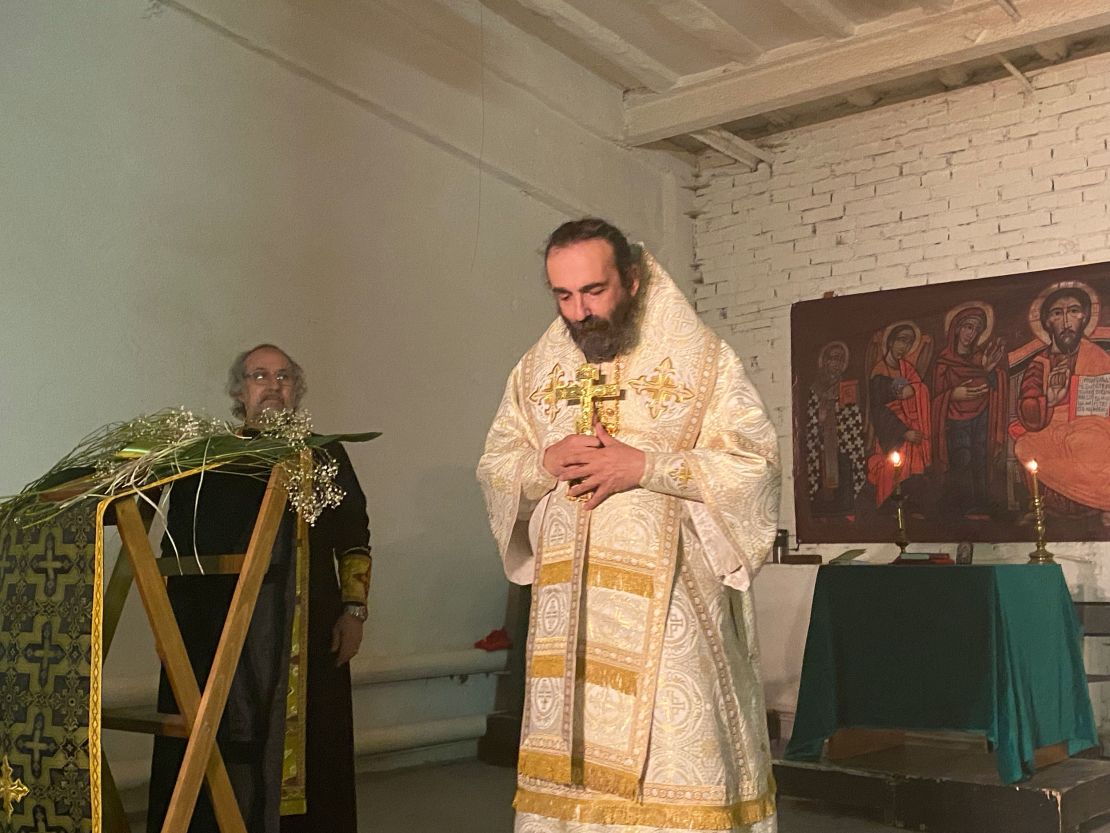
[
  {"x": 513, "y": 481},
  {"x": 730, "y": 482}
]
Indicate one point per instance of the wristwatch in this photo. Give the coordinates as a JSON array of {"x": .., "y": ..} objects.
[{"x": 360, "y": 612}]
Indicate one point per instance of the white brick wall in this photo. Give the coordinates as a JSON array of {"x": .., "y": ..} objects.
[{"x": 973, "y": 183}]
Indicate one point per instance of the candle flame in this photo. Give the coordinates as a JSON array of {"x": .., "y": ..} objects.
[
  {"x": 895, "y": 459},
  {"x": 1032, "y": 466}
]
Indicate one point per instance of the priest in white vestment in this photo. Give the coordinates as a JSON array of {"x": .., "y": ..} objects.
[{"x": 632, "y": 477}]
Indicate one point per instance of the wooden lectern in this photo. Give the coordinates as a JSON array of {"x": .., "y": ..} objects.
[{"x": 200, "y": 710}]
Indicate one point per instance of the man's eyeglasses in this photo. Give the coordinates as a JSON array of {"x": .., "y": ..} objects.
[{"x": 260, "y": 377}]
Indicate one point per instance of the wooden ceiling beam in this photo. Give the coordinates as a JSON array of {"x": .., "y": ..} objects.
[
  {"x": 734, "y": 147},
  {"x": 1052, "y": 51},
  {"x": 953, "y": 77},
  {"x": 1017, "y": 73},
  {"x": 698, "y": 18},
  {"x": 649, "y": 71},
  {"x": 863, "y": 97},
  {"x": 823, "y": 16},
  {"x": 961, "y": 35}
]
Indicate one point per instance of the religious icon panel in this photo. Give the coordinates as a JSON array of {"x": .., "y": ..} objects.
[{"x": 947, "y": 394}]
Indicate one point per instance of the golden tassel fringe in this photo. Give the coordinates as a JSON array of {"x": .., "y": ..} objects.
[
  {"x": 631, "y": 813},
  {"x": 544, "y": 766},
  {"x": 604, "y": 779},
  {"x": 603, "y": 674},
  {"x": 568, "y": 771}
]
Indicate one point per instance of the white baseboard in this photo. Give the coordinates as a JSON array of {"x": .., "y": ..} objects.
[{"x": 142, "y": 689}]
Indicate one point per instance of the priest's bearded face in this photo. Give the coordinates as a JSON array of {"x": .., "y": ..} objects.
[
  {"x": 598, "y": 308},
  {"x": 269, "y": 383}
]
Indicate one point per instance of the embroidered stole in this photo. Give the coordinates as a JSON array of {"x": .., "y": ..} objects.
[{"x": 603, "y": 583}]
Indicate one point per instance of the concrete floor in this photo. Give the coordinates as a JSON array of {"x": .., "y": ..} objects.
[{"x": 472, "y": 797}]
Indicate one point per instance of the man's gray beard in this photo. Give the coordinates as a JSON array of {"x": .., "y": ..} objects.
[{"x": 603, "y": 339}]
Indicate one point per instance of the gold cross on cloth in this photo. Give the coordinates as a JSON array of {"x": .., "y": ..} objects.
[
  {"x": 681, "y": 474},
  {"x": 547, "y": 394},
  {"x": 586, "y": 391},
  {"x": 660, "y": 387},
  {"x": 12, "y": 790}
]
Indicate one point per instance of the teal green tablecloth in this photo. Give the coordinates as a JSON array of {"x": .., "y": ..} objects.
[{"x": 987, "y": 649}]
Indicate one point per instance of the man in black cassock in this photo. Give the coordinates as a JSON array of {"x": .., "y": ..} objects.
[{"x": 286, "y": 738}]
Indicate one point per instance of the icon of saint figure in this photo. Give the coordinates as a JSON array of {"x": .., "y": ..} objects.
[
  {"x": 969, "y": 408},
  {"x": 1063, "y": 406},
  {"x": 835, "y": 465},
  {"x": 898, "y": 406}
]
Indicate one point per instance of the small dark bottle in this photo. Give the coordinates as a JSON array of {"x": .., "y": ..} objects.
[{"x": 782, "y": 546}]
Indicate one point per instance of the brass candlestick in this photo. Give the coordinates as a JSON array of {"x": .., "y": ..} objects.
[
  {"x": 1041, "y": 554},
  {"x": 901, "y": 538}
]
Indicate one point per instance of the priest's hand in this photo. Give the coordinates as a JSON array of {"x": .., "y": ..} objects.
[
  {"x": 606, "y": 470},
  {"x": 346, "y": 638},
  {"x": 556, "y": 456}
]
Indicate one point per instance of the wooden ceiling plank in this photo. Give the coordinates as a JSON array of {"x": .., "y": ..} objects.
[
  {"x": 700, "y": 20},
  {"x": 823, "y": 16},
  {"x": 936, "y": 5},
  {"x": 635, "y": 60},
  {"x": 837, "y": 69}
]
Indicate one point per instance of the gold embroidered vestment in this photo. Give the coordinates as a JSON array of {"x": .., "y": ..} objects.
[{"x": 643, "y": 700}]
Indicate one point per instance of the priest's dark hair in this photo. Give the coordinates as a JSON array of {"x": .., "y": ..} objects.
[
  {"x": 594, "y": 228},
  {"x": 237, "y": 378}
]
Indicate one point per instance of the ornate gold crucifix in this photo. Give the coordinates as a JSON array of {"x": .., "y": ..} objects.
[
  {"x": 12, "y": 790},
  {"x": 586, "y": 391}
]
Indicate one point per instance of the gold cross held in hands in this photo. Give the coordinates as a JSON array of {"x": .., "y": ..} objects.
[{"x": 585, "y": 390}]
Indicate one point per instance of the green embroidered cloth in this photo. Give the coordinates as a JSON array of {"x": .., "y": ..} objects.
[
  {"x": 48, "y": 676},
  {"x": 987, "y": 649},
  {"x": 51, "y": 593}
]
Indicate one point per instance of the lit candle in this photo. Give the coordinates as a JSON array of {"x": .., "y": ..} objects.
[
  {"x": 901, "y": 538},
  {"x": 1032, "y": 467}
]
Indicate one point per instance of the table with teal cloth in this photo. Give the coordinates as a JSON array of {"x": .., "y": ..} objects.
[{"x": 989, "y": 649}]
